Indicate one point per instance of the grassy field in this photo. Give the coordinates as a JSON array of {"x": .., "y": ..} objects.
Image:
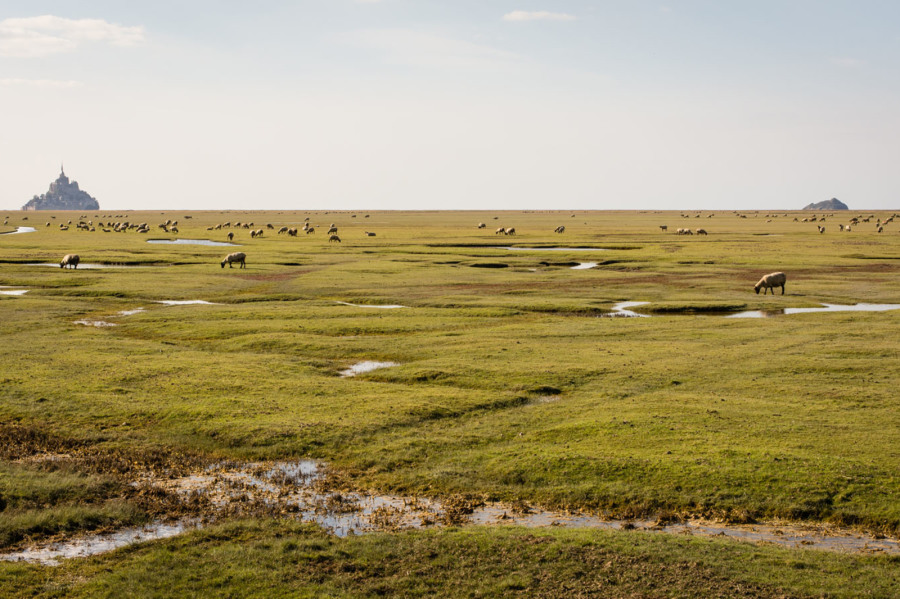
[{"x": 510, "y": 383}]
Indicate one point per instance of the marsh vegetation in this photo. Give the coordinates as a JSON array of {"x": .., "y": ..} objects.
[{"x": 687, "y": 415}]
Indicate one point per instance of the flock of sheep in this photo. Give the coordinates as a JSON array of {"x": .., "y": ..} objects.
[{"x": 768, "y": 282}]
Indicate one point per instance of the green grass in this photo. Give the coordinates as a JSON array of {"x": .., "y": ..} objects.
[
  {"x": 267, "y": 559},
  {"x": 509, "y": 385}
]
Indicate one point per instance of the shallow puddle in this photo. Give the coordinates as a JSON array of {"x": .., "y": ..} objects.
[
  {"x": 131, "y": 312},
  {"x": 553, "y": 249},
  {"x": 95, "y": 323},
  {"x": 50, "y": 555},
  {"x": 824, "y": 308},
  {"x": 584, "y": 265},
  {"x": 300, "y": 488},
  {"x": 20, "y": 230},
  {"x": 186, "y": 302},
  {"x": 380, "y": 306},
  {"x": 191, "y": 242},
  {"x": 621, "y": 310},
  {"x": 13, "y": 291},
  {"x": 363, "y": 367},
  {"x": 86, "y": 265}
]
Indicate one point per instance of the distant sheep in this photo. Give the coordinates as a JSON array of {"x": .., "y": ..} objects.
[
  {"x": 332, "y": 230},
  {"x": 663, "y": 228},
  {"x": 292, "y": 232},
  {"x": 771, "y": 281},
  {"x": 238, "y": 257},
  {"x": 559, "y": 229},
  {"x": 511, "y": 231},
  {"x": 70, "y": 260},
  {"x": 282, "y": 230},
  {"x": 370, "y": 234},
  {"x": 701, "y": 232},
  {"x": 481, "y": 225},
  {"x": 334, "y": 238},
  {"x": 230, "y": 236},
  {"x": 310, "y": 230},
  {"x": 500, "y": 231}
]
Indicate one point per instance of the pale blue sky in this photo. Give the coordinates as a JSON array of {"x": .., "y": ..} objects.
[{"x": 345, "y": 104}]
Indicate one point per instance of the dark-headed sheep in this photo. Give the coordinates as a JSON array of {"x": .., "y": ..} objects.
[
  {"x": 771, "y": 281},
  {"x": 70, "y": 260},
  {"x": 334, "y": 238},
  {"x": 238, "y": 257}
]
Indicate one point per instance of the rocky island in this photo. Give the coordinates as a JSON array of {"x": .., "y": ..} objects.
[
  {"x": 832, "y": 204},
  {"x": 63, "y": 195}
]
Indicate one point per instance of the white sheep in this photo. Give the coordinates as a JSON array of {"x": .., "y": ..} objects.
[
  {"x": 238, "y": 257},
  {"x": 70, "y": 260},
  {"x": 771, "y": 281}
]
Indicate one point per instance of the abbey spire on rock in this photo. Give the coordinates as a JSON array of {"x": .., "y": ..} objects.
[{"x": 63, "y": 195}]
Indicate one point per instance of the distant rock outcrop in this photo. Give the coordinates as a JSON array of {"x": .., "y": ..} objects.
[
  {"x": 832, "y": 204},
  {"x": 63, "y": 195}
]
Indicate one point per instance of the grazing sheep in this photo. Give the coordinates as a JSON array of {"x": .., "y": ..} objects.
[
  {"x": 230, "y": 235},
  {"x": 259, "y": 232},
  {"x": 559, "y": 229},
  {"x": 70, "y": 260},
  {"x": 701, "y": 232},
  {"x": 171, "y": 229},
  {"x": 310, "y": 230},
  {"x": 771, "y": 281},
  {"x": 821, "y": 228},
  {"x": 238, "y": 257},
  {"x": 270, "y": 226},
  {"x": 880, "y": 229},
  {"x": 663, "y": 228},
  {"x": 501, "y": 231},
  {"x": 292, "y": 232},
  {"x": 252, "y": 234},
  {"x": 332, "y": 230},
  {"x": 370, "y": 234},
  {"x": 511, "y": 231},
  {"x": 481, "y": 225},
  {"x": 334, "y": 238},
  {"x": 282, "y": 230}
]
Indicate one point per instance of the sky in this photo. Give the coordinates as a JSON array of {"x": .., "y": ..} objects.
[{"x": 452, "y": 104}]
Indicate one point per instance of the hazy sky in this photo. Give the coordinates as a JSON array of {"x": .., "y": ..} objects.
[{"x": 452, "y": 104}]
